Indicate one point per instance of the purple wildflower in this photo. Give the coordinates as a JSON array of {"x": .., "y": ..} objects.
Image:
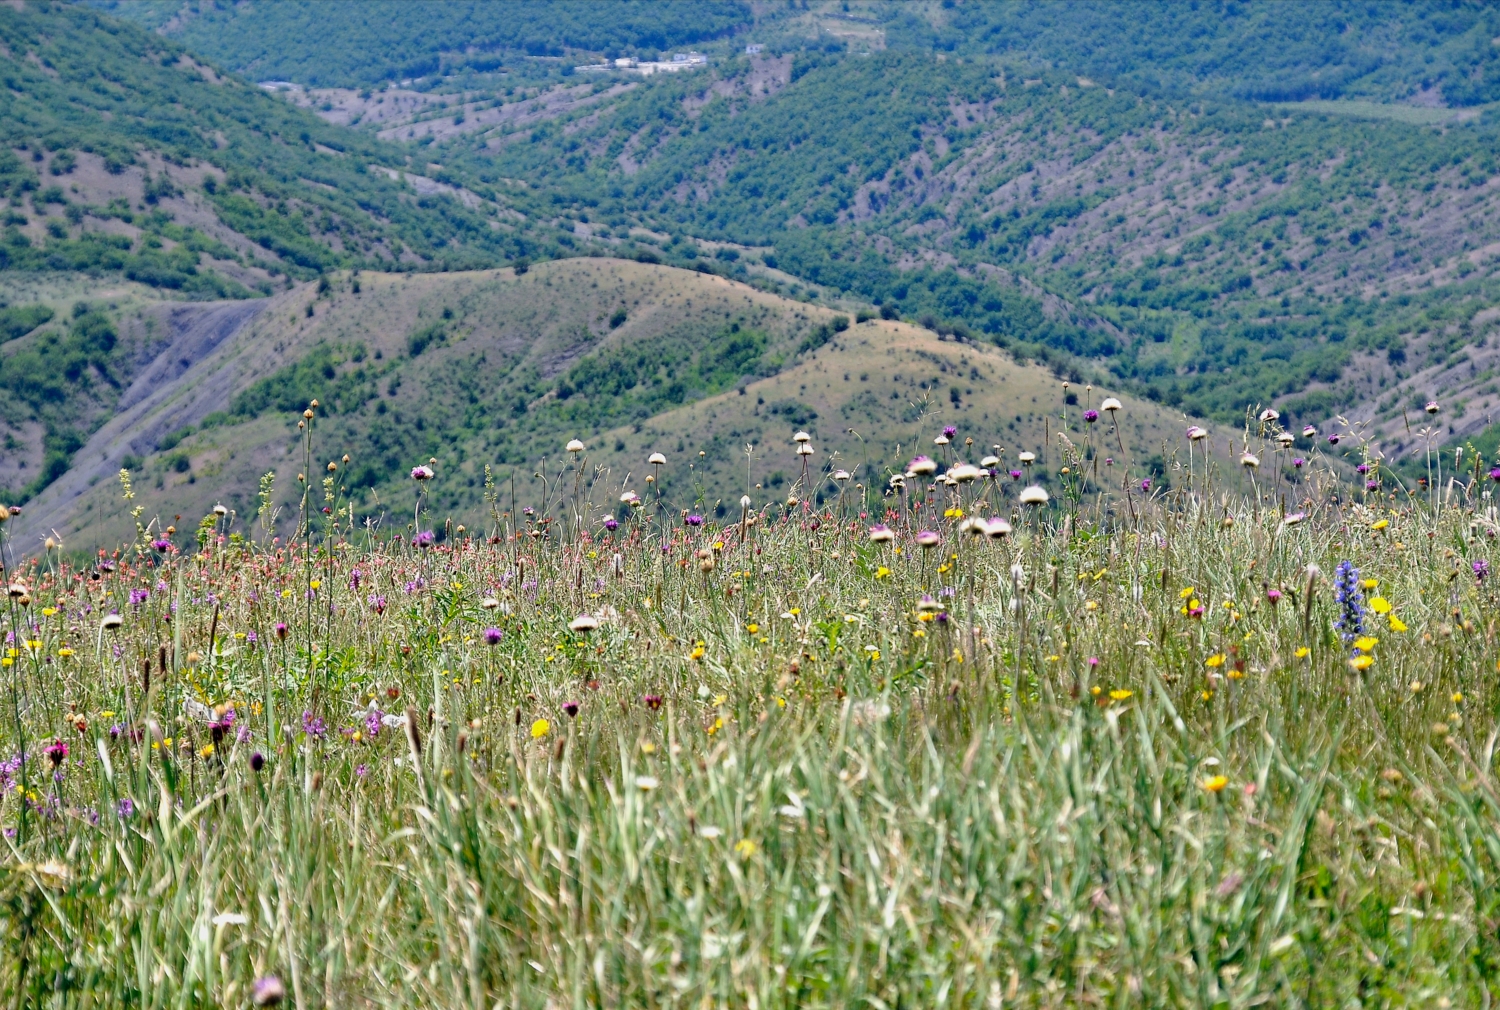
[
  {"x": 312, "y": 725},
  {"x": 139, "y": 596},
  {"x": 492, "y": 636},
  {"x": 694, "y": 520},
  {"x": 1481, "y": 570},
  {"x": 1091, "y": 416},
  {"x": 377, "y": 602}
]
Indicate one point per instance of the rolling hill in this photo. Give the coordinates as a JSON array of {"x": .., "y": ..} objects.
[{"x": 490, "y": 369}]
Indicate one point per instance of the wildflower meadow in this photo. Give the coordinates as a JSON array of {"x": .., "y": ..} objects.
[{"x": 1001, "y": 729}]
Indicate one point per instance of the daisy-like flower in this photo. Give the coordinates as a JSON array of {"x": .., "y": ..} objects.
[
  {"x": 964, "y": 473},
  {"x": 1034, "y": 495},
  {"x": 1111, "y": 404}
]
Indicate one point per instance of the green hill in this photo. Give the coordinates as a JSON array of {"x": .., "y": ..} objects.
[{"x": 491, "y": 372}]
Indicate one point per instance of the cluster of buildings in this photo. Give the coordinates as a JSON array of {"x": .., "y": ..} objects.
[{"x": 678, "y": 62}]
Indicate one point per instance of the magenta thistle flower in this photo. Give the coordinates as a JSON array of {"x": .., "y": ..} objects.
[
  {"x": 694, "y": 520},
  {"x": 652, "y": 701},
  {"x": 1091, "y": 416},
  {"x": 571, "y": 708},
  {"x": 421, "y": 473},
  {"x": 949, "y": 431},
  {"x": 492, "y": 636},
  {"x": 57, "y": 751}
]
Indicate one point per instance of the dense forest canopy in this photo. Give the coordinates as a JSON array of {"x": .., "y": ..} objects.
[
  {"x": 1258, "y": 49},
  {"x": 1284, "y": 50},
  {"x": 363, "y": 42}
]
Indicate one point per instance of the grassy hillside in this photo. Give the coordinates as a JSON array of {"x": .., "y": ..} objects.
[{"x": 488, "y": 369}]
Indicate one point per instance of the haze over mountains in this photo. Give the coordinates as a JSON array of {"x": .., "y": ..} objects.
[{"x": 1214, "y": 207}]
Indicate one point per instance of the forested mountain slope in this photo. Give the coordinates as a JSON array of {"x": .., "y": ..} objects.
[
  {"x": 1214, "y": 254},
  {"x": 1435, "y": 53}
]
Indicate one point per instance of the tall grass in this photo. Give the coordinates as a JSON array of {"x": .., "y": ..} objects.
[{"x": 1112, "y": 761}]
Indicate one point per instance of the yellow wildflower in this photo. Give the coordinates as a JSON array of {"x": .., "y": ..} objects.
[
  {"x": 1361, "y": 663},
  {"x": 1186, "y": 593},
  {"x": 540, "y": 728},
  {"x": 1216, "y": 783},
  {"x": 1215, "y": 661},
  {"x": 1396, "y": 623},
  {"x": 1366, "y": 643},
  {"x": 882, "y": 572},
  {"x": 1302, "y": 652},
  {"x": 1380, "y": 525},
  {"x": 1120, "y": 694},
  {"x": 1380, "y": 605},
  {"x": 752, "y": 628},
  {"x": 745, "y": 848}
]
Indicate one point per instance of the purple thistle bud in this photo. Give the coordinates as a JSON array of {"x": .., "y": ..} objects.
[
  {"x": 269, "y": 991},
  {"x": 492, "y": 636},
  {"x": 257, "y": 761},
  {"x": 1299, "y": 462},
  {"x": 571, "y": 708},
  {"x": 949, "y": 431},
  {"x": 1091, "y": 416},
  {"x": 694, "y": 520},
  {"x": 312, "y": 725},
  {"x": 1333, "y": 439}
]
